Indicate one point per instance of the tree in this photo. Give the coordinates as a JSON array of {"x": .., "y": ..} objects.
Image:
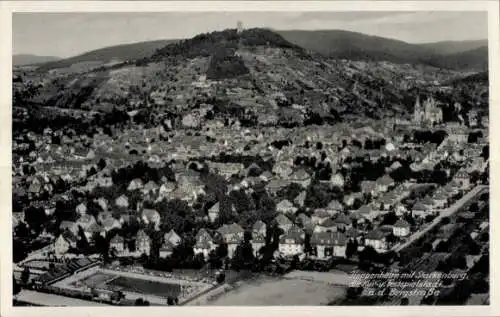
[
  {"x": 243, "y": 257},
  {"x": 16, "y": 288},
  {"x": 221, "y": 277},
  {"x": 351, "y": 248},
  {"x": 405, "y": 301},
  {"x": 25, "y": 275}
]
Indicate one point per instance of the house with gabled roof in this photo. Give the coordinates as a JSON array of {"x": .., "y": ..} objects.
[
  {"x": 334, "y": 207},
  {"x": 304, "y": 221},
  {"x": 151, "y": 216},
  {"x": 328, "y": 244},
  {"x": 213, "y": 212},
  {"x": 292, "y": 242},
  {"x": 420, "y": 210},
  {"x": 327, "y": 225},
  {"x": 232, "y": 235},
  {"x": 150, "y": 188},
  {"x": 376, "y": 239},
  {"x": 117, "y": 243},
  {"x": 122, "y": 202},
  {"x": 342, "y": 222},
  {"x": 204, "y": 243},
  {"x": 142, "y": 242},
  {"x": 401, "y": 228},
  {"x": 172, "y": 237},
  {"x": 369, "y": 187},
  {"x": 259, "y": 228},
  {"x": 166, "y": 249},
  {"x": 300, "y": 199},
  {"x": 283, "y": 222},
  {"x": 70, "y": 226},
  {"x": 384, "y": 183},
  {"x": 286, "y": 207},
  {"x": 349, "y": 200},
  {"x": 135, "y": 184},
  {"x": 301, "y": 177},
  {"x": 81, "y": 209},
  {"x": 63, "y": 243}
]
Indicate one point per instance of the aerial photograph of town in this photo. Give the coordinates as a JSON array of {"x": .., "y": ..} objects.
[{"x": 250, "y": 159}]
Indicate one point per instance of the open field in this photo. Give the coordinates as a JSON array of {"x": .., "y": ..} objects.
[
  {"x": 44, "y": 299},
  {"x": 334, "y": 277},
  {"x": 280, "y": 292}
]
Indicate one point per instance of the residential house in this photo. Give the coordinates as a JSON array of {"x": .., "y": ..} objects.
[
  {"x": 151, "y": 216},
  {"x": 286, "y": 207},
  {"x": 173, "y": 238},
  {"x": 401, "y": 228},
  {"x": 349, "y": 200},
  {"x": 420, "y": 210},
  {"x": 63, "y": 243},
  {"x": 89, "y": 225},
  {"x": 150, "y": 188},
  {"x": 326, "y": 226},
  {"x": 369, "y": 188},
  {"x": 292, "y": 242},
  {"x": 463, "y": 178},
  {"x": 108, "y": 222},
  {"x": 301, "y": 177},
  {"x": 300, "y": 199},
  {"x": 337, "y": 180},
  {"x": 166, "y": 248},
  {"x": 165, "y": 189},
  {"x": 384, "y": 183},
  {"x": 70, "y": 226},
  {"x": 376, "y": 239},
  {"x": 319, "y": 215},
  {"x": 135, "y": 184},
  {"x": 259, "y": 228},
  {"x": 103, "y": 203},
  {"x": 282, "y": 169},
  {"x": 305, "y": 221},
  {"x": 213, "y": 212},
  {"x": 142, "y": 242},
  {"x": 204, "y": 243},
  {"x": 334, "y": 207},
  {"x": 283, "y": 222},
  {"x": 231, "y": 234},
  {"x": 122, "y": 202},
  {"x": 81, "y": 209},
  {"x": 328, "y": 244},
  {"x": 343, "y": 222},
  {"x": 117, "y": 243}
]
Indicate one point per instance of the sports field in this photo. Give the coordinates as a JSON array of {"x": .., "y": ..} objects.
[
  {"x": 129, "y": 284},
  {"x": 268, "y": 291}
]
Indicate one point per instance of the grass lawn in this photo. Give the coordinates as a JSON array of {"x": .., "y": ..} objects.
[{"x": 280, "y": 292}]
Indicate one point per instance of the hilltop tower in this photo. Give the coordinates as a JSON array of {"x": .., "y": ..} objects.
[{"x": 239, "y": 26}]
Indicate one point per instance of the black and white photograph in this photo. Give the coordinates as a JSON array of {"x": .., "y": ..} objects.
[{"x": 250, "y": 158}]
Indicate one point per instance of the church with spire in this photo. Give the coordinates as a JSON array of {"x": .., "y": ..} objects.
[{"x": 428, "y": 113}]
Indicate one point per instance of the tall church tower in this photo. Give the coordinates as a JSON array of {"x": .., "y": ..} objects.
[
  {"x": 239, "y": 26},
  {"x": 417, "y": 112}
]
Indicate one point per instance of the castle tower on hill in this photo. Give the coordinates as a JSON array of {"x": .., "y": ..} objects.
[{"x": 239, "y": 26}]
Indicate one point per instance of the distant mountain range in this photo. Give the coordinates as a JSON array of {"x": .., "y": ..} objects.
[
  {"x": 119, "y": 52},
  {"x": 28, "y": 59},
  {"x": 463, "y": 55},
  {"x": 455, "y": 55}
]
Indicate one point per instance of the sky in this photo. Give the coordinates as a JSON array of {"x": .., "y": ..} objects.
[{"x": 70, "y": 34}]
